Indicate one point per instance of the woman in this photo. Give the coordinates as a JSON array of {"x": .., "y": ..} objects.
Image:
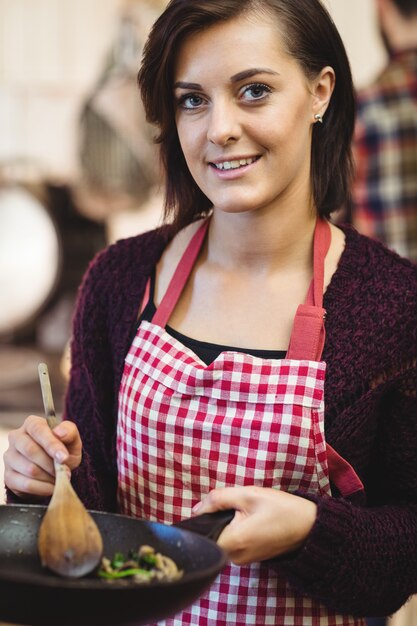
[{"x": 199, "y": 381}]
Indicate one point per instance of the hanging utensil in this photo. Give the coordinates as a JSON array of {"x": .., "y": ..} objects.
[{"x": 69, "y": 541}]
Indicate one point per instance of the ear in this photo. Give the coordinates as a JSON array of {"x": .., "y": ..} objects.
[{"x": 322, "y": 89}]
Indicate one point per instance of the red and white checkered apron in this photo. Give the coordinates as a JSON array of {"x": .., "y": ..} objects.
[{"x": 185, "y": 428}]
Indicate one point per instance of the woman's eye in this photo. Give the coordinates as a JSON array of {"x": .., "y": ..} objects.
[
  {"x": 190, "y": 101},
  {"x": 257, "y": 91}
]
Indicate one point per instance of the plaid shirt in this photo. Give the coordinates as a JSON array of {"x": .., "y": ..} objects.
[{"x": 385, "y": 150}]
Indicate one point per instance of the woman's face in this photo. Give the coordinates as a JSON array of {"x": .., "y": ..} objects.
[{"x": 244, "y": 114}]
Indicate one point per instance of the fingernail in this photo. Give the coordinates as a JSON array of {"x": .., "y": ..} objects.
[
  {"x": 60, "y": 431},
  {"x": 60, "y": 456},
  {"x": 197, "y": 507}
]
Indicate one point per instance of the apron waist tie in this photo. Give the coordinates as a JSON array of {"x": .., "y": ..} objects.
[{"x": 342, "y": 474}]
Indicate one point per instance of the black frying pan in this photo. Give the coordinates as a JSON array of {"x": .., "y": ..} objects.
[{"x": 32, "y": 595}]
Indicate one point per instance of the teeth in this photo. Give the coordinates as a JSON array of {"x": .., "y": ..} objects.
[{"x": 233, "y": 165}]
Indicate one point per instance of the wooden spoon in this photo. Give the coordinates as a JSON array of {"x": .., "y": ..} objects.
[{"x": 69, "y": 541}]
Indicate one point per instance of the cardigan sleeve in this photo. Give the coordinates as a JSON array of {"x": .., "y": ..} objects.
[
  {"x": 362, "y": 560},
  {"x": 89, "y": 400}
]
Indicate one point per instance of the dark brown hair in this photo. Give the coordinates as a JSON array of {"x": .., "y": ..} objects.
[{"x": 309, "y": 36}]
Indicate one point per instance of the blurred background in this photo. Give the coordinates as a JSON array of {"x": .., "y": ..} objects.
[{"x": 78, "y": 169}]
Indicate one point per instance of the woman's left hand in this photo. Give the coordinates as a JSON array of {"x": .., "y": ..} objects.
[{"x": 267, "y": 523}]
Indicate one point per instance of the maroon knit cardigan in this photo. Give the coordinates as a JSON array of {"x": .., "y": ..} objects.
[{"x": 360, "y": 558}]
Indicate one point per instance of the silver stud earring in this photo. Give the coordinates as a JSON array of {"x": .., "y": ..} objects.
[{"x": 319, "y": 118}]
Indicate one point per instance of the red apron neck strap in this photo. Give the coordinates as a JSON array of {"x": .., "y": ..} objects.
[
  {"x": 322, "y": 239},
  {"x": 308, "y": 332},
  {"x": 180, "y": 276}
]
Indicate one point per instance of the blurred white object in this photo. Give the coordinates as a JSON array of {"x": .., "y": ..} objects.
[{"x": 29, "y": 258}]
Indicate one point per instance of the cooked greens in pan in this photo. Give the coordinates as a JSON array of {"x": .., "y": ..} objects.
[{"x": 142, "y": 566}]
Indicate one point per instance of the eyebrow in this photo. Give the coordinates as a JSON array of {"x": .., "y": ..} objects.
[{"x": 234, "y": 79}]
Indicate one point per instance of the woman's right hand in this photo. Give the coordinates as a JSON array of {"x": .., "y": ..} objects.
[{"x": 29, "y": 459}]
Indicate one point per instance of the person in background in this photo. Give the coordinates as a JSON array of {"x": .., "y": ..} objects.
[
  {"x": 249, "y": 354},
  {"x": 384, "y": 202}
]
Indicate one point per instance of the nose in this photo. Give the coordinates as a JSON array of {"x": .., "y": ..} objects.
[{"x": 223, "y": 124}]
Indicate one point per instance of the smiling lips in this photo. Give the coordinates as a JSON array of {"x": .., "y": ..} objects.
[{"x": 234, "y": 164}]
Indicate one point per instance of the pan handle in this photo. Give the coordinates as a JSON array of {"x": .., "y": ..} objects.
[{"x": 208, "y": 525}]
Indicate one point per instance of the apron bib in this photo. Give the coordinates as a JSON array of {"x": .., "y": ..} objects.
[{"x": 185, "y": 428}]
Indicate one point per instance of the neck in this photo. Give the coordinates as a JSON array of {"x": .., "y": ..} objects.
[{"x": 259, "y": 242}]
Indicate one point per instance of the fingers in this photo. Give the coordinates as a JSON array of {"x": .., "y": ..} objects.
[
  {"x": 237, "y": 498},
  {"x": 237, "y": 536},
  {"x": 36, "y": 440},
  {"x": 68, "y": 434},
  {"x": 25, "y": 482},
  {"x": 29, "y": 459},
  {"x": 62, "y": 444},
  {"x": 30, "y": 445},
  {"x": 24, "y": 476},
  {"x": 267, "y": 523}
]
